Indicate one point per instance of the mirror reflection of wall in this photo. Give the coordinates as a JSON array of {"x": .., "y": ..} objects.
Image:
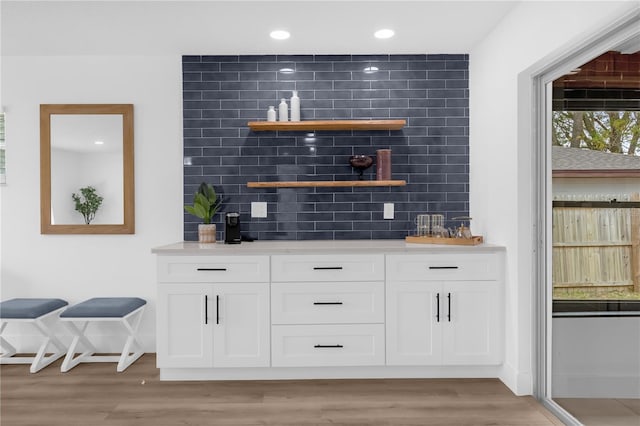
[{"x": 86, "y": 150}]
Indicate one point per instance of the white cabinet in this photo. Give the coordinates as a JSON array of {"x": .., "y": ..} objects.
[
  {"x": 213, "y": 323},
  {"x": 413, "y": 335},
  {"x": 328, "y": 345},
  {"x": 241, "y": 325},
  {"x": 327, "y": 268},
  {"x": 184, "y": 335},
  {"x": 330, "y": 313},
  {"x": 435, "y": 319},
  {"x": 327, "y": 303},
  {"x": 327, "y": 310}
]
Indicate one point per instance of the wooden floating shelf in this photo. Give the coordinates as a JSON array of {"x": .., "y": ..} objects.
[
  {"x": 473, "y": 241},
  {"x": 263, "y": 126},
  {"x": 334, "y": 184}
]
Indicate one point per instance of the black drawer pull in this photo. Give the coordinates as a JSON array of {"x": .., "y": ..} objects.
[
  {"x": 217, "y": 309},
  {"x": 212, "y": 269},
  {"x": 206, "y": 309},
  {"x": 329, "y": 346},
  {"x": 327, "y": 303},
  {"x": 326, "y": 268},
  {"x": 443, "y": 267}
]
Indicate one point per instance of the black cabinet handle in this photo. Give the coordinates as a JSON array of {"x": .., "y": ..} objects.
[
  {"x": 326, "y": 268},
  {"x": 217, "y": 309},
  {"x": 437, "y": 307},
  {"x": 328, "y": 346},
  {"x": 327, "y": 303},
  {"x": 443, "y": 267},
  {"x": 206, "y": 309},
  {"x": 211, "y": 269},
  {"x": 449, "y": 307}
]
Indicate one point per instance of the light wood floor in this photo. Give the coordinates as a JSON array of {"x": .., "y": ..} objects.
[
  {"x": 603, "y": 412},
  {"x": 95, "y": 395}
]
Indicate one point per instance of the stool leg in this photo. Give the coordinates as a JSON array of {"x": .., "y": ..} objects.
[
  {"x": 7, "y": 348},
  {"x": 132, "y": 343},
  {"x": 79, "y": 337},
  {"x": 41, "y": 360}
]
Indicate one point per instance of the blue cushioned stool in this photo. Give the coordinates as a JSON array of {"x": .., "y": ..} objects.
[
  {"x": 36, "y": 312},
  {"x": 126, "y": 310}
]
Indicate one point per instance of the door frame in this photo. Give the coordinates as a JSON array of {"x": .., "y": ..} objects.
[{"x": 534, "y": 87}]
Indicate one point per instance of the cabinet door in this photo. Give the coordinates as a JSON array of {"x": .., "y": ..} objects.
[
  {"x": 413, "y": 323},
  {"x": 184, "y": 333},
  {"x": 241, "y": 325},
  {"x": 472, "y": 326}
]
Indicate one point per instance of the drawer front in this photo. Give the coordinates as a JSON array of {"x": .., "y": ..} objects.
[
  {"x": 327, "y": 303},
  {"x": 421, "y": 267},
  {"x": 314, "y": 268},
  {"x": 327, "y": 345},
  {"x": 212, "y": 269}
]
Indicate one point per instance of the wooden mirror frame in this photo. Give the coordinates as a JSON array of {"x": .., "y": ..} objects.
[{"x": 126, "y": 110}]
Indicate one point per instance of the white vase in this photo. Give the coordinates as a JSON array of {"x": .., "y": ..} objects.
[
  {"x": 295, "y": 106},
  {"x": 207, "y": 233},
  {"x": 283, "y": 111},
  {"x": 271, "y": 113}
]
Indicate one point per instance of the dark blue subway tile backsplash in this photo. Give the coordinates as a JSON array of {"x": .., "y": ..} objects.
[{"x": 222, "y": 93}]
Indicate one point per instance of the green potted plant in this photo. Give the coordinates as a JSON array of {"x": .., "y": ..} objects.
[
  {"x": 87, "y": 203},
  {"x": 205, "y": 205}
]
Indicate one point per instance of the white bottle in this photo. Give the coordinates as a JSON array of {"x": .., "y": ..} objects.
[
  {"x": 283, "y": 112},
  {"x": 271, "y": 113},
  {"x": 295, "y": 106}
]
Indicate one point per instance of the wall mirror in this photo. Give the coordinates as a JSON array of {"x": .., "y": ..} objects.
[{"x": 86, "y": 146}]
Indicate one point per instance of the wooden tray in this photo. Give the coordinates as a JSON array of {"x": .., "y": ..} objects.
[{"x": 473, "y": 241}]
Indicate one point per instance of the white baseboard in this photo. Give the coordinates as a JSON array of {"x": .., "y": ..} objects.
[
  {"x": 518, "y": 382},
  {"x": 293, "y": 373}
]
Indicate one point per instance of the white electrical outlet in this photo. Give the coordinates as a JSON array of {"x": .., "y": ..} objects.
[
  {"x": 258, "y": 209},
  {"x": 388, "y": 211}
]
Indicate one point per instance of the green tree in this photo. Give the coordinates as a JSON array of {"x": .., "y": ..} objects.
[{"x": 609, "y": 131}]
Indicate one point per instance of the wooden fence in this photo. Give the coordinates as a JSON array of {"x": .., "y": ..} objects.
[{"x": 596, "y": 249}]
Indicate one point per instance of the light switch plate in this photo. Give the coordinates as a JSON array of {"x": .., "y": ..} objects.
[
  {"x": 258, "y": 209},
  {"x": 388, "y": 211}
]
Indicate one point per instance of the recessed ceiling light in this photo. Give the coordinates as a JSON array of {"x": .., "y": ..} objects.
[
  {"x": 99, "y": 142},
  {"x": 280, "y": 34},
  {"x": 384, "y": 33}
]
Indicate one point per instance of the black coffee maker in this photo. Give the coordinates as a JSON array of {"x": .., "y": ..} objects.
[{"x": 232, "y": 228}]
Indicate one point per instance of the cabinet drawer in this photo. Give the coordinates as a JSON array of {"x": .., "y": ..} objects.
[
  {"x": 441, "y": 267},
  {"x": 212, "y": 269},
  {"x": 291, "y": 268},
  {"x": 327, "y": 303},
  {"x": 327, "y": 345}
]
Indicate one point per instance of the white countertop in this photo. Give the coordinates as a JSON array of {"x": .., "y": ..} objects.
[{"x": 316, "y": 246}]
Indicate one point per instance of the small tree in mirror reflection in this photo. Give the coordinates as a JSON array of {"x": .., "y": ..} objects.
[{"x": 87, "y": 203}]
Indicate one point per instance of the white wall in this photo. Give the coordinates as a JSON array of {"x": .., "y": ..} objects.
[
  {"x": 76, "y": 267},
  {"x": 500, "y": 170}
]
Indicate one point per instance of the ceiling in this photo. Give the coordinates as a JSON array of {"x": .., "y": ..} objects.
[{"x": 242, "y": 27}]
